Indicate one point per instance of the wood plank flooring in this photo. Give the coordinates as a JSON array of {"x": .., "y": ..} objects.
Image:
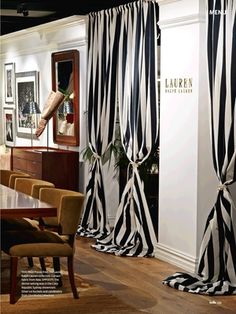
[
  {"x": 110, "y": 284},
  {"x": 138, "y": 282}
]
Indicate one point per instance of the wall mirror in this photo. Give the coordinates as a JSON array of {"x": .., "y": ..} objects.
[{"x": 65, "y": 78}]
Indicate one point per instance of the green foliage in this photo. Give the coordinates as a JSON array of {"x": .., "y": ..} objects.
[
  {"x": 88, "y": 155},
  {"x": 116, "y": 149},
  {"x": 150, "y": 165}
]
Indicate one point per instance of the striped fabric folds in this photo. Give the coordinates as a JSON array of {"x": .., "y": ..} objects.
[
  {"x": 103, "y": 36},
  {"x": 133, "y": 233},
  {"x": 217, "y": 262}
]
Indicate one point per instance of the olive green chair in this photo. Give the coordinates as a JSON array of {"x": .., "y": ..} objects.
[
  {"x": 31, "y": 187},
  {"x": 8, "y": 177},
  {"x": 44, "y": 243}
]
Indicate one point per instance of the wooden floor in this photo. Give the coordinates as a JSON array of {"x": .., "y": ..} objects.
[
  {"x": 123, "y": 285},
  {"x": 138, "y": 282}
]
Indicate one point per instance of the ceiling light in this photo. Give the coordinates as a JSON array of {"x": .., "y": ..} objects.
[{"x": 22, "y": 8}]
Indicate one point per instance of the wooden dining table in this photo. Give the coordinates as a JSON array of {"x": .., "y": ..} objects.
[{"x": 14, "y": 204}]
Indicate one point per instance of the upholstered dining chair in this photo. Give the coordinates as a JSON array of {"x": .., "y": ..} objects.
[
  {"x": 44, "y": 243},
  {"x": 8, "y": 177},
  {"x": 31, "y": 187}
]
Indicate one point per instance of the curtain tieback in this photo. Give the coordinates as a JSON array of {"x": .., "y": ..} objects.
[
  {"x": 96, "y": 156},
  {"x": 134, "y": 164},
  {"x": 222, "y": 187}
]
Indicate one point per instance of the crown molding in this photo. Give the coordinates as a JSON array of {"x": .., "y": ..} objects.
[
  {"x": 45, "y": 35},
  {"x": 72, "y": 43},
  {"x": 50, "y": 27},
  {"x": 183, "y": 20}
]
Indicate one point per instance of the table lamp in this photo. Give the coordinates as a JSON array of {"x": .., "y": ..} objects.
[
  {"x": 30, "y": 109},
  {"x": 66, "y": 107}
]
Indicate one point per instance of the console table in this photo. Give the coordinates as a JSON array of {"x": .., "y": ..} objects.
[{"x": 58, "y": 166}]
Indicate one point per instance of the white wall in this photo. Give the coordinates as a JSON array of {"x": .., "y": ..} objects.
[
  {"x": 31, "y": 50},
  {"x": 187, "y": 185}
]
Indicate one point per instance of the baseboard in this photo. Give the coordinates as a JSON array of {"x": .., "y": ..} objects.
[{"x": 177, "y": 258}]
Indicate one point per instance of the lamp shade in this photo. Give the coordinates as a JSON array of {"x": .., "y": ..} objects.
[
  {"x": 66, "y": 107},
  {"x": 31, "y": 108}
]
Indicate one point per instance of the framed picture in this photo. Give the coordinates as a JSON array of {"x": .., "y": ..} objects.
[
  {"x": 9, "y": 79},
  {"x": 27, "y": 91},
  {"x": 9, "y": 126}
]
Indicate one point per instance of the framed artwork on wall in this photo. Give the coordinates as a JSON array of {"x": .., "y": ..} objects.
[
  {"x": 9, "y": 126},
  {"x": 27, "y": 91},
  {"x": 9, "y": 80}
]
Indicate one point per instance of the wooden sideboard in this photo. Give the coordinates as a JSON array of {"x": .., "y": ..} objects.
[{"x": 61, "y": 167}]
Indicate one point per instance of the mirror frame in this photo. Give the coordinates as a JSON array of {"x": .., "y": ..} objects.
[{"x": 69, "y": 55}]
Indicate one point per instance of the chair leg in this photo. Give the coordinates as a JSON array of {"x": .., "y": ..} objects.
[
  {"x": 14, "y": 262},
  {"x": 57, "y": 268},
  {"x": 30, "y": 261},
  {"x": 42, "y": 263},
  {"x": 71, "y": 276}
]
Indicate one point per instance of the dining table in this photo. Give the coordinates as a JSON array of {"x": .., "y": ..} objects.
[{"x": 14, "y": 204}]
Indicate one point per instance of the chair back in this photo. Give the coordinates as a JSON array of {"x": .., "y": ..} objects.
[
  {"x": 69, "y": 208},
  {"x": 31, "y": 186},
  {"x": 8, "y": 177},
  {"x": 15, "y": 176}
]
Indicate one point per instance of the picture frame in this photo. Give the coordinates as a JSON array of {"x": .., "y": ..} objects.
[
  {"x": 27, "y": 90},
  {"x": 9, "y": 79},
  {"x": 9, "y": 126}
]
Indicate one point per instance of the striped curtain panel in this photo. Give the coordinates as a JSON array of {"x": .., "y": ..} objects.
[
  {"x": 133, "y": 233},
  {"x": 103, "y": 36},
  {"x": 217, "y": 263}
]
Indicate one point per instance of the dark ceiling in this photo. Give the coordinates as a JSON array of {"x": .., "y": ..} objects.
[{"x": 17, "y": 15}]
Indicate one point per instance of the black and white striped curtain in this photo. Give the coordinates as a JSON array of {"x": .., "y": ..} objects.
[
  {"x": 103, "y": 36},
  {"x": 133, "y": 233},
  {"x": 217, "y": 263}
]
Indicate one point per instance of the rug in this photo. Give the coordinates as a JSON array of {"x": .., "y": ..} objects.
[{"x": 92, "y": 298}]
